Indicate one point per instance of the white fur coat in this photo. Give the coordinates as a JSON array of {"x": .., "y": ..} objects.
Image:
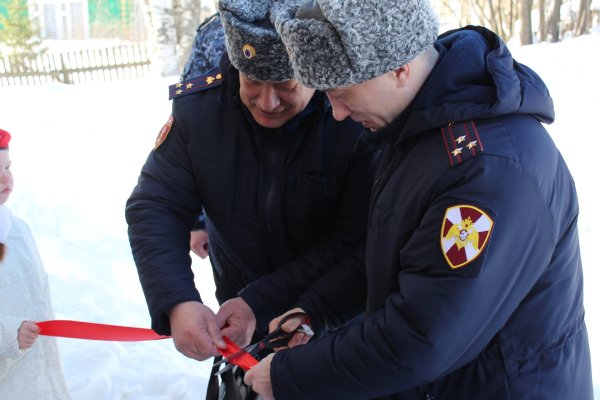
[{"x": 24, "y": 295}]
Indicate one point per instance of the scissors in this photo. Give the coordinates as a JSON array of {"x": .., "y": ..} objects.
[{"x": 277, "y": 338}]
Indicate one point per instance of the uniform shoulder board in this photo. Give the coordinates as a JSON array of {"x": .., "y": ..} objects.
[
  {"x": 462, "y": 141},
  {"x": 212, "y": 78}
]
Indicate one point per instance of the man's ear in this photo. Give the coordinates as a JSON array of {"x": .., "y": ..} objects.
[{"x": 401, "y": 75}]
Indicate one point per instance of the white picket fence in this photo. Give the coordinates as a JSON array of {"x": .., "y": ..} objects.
[{"x": 103, "y": 64}]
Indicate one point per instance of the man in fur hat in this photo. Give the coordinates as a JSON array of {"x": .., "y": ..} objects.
[
  {"x": 284, "y": 189},
  {"x": 473, "y": 266}
]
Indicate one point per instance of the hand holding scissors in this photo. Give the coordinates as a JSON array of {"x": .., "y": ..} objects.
[{"x": 275, "y": 339}]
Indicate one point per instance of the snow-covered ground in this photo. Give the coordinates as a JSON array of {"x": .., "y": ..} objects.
[{"x": 77, "y": 152}]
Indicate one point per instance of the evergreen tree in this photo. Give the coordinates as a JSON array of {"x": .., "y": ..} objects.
[{"x": 17, "y": 32}]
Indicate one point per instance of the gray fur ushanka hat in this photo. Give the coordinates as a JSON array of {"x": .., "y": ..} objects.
[
  {"x": 253, "y": 45},
  {"x": 337, "y": 43}
]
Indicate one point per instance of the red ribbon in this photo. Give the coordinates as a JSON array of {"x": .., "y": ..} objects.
[
  {"x": 94, "y": 331},
  {"x": 244, "y": 360}
]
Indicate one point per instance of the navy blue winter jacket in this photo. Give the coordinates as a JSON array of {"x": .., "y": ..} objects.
[
  {"x": 472, "y": 261},
  {"x": 291, "y": 201}
]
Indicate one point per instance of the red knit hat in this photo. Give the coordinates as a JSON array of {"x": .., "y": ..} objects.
[{"x": 4, "y": 139}]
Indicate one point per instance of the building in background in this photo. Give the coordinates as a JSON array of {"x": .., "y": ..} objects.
[{"x": 86, "y": 19}]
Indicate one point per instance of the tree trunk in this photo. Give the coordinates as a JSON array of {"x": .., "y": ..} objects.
[
  {"x": 500, "y": 23},
  {"x": 465, "y": 8},
  {"x": 583, "y": 18},
  {"x": 187, "y": 19},
  {"x": 511, "y": 19},
  {"x": 542, "y": 27},
  {"x": 166, "y": 36},
  {"x": 554, "y": 21},
  {"x": 526, "y": 35}
]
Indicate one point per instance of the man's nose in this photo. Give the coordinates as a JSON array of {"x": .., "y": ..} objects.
[
  {"x": 268, "y": 99},
  {"x": 340, "y": 112}
]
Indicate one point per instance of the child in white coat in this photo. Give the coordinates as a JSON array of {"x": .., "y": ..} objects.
[{"x": 29, "y": 365}]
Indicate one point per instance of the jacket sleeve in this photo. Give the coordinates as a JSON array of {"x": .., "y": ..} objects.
[
  {"x": 275, "y": 293},
  {"x": 338, "y": 296},
  {"x": 439, "y": 318},
  {"x": 9, "y": 327},
  {"x": 161, "y": 212}
]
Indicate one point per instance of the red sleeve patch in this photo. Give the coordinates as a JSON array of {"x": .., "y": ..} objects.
[
  {"x": 164, "y": 132},
  {"x": 464, "y": 234}
]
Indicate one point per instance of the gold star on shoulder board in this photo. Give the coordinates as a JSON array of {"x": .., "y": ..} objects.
[{"x": 197, "y": 84}]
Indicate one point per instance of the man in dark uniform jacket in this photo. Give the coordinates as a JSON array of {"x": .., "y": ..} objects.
[
  {"x": 284, "y": 188},
  {"x": 473, "y": 267}
]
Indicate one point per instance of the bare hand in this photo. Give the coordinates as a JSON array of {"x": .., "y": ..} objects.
[
  {"x": 259, "y": 378},
  {"x": 27, "y": 334},
  {"x": 194, "y": 330},
  {"x": 289, "y": 326},
  {"x": 199, "y": 243},
  {"x": 237, "y": 321}
]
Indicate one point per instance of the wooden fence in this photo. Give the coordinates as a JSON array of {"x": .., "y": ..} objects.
[{"x": 105, "y": 64}]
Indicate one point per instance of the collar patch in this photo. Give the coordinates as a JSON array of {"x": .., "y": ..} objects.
[{"x": 464, "y": 235}]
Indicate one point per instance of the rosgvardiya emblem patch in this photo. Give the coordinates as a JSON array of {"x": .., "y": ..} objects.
[
  {"x": 164, "y": 132},
  {"x": 464, "y": 235}
]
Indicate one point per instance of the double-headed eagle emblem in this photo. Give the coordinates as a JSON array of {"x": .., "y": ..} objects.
[{"x": 465, "y": 232}]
